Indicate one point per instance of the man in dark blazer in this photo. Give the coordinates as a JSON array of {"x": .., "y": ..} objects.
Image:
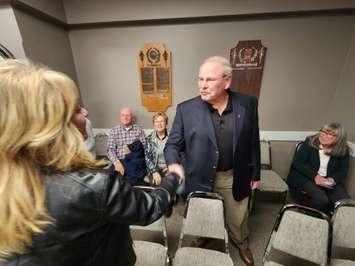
[{"x": 215, "y": 136}]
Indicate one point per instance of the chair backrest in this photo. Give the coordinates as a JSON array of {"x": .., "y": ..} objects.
[
  {"x": 343, "y": 240},
  {"x": 300, "y": 234},
  {"x": 204, "y": 217},
  {"x": 101, "y": 144},
  {"x": 265, "y": 154}
]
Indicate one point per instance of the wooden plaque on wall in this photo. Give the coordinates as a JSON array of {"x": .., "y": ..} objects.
[
  {"x": 154, "y": 64},
  {"x": 247, "y": 60}
]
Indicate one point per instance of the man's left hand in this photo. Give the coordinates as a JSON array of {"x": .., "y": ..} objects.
[
  {"x": 126, "y": 150},
  {"x": 254, "y": 184}
]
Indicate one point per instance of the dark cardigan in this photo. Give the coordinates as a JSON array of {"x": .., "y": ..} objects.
[{"x": 306, "y": 163}]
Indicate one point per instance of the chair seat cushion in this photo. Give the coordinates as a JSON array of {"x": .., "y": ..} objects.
[
  {"x": 149, "y": 253},
  {"x": 271, "y": 181},
  {"x": 189, "y": 256}
]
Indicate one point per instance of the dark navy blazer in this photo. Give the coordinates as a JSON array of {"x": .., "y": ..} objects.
[{"x": 192, "y": 137}]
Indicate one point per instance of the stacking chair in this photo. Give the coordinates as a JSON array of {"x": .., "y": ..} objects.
[
  {"x": 101, "y": 145},
  {"x": 343, "y": 235},
  {"x": 270, "y": 181},
  {"x": 299, "y": 237},
  {"x": 203, "y": 217},
  {"x": 150, "y": 253}
]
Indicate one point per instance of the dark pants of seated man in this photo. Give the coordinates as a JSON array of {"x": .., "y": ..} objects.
[{"x": 322, "y": 198}]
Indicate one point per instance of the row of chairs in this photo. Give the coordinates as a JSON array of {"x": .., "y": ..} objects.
[
  {"x": 203, "y": 218},
  {"x": 305, "y": 236}
]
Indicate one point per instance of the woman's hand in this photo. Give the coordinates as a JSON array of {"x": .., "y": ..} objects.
[
  {"x": 320, "y": 180},
  {"x": 156, "y": 178}
]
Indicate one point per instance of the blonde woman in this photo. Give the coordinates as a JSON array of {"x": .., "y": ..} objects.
[
  {"x": 156, "y": 140},
  {"x": 58, "y": 205}
]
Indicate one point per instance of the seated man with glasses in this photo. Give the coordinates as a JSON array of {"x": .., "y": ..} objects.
[{"x": 320, "y": 166}]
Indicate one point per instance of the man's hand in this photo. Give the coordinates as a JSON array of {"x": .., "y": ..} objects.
[
  {"x": 177, "y": 169},
  {"x": 119, "y": 167},
  {"x": 254, "y": 184},
  {"x": 156, "y": 178},
  {"x": 126, "y": 150}
]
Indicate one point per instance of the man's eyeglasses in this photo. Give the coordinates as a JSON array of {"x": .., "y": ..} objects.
[
  {"x": 328, "y": 133},
  {"x": 210, "y": 80}
]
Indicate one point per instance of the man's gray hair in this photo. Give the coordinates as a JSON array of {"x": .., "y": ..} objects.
[{"x": 227, "y": 68}]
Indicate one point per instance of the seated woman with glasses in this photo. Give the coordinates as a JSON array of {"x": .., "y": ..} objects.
[
  {"x": 59, "y": 206},
  {"x": 154, "y": 158},
  {"x": 319, "y": 167}
]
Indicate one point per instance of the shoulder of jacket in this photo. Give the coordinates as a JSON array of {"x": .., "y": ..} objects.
[
  {"x": 191, "y": 103},
  {"x": 94, "y": 180}
]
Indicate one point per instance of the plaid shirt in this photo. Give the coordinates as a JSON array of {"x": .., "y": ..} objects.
[{"x": 119, "y": 136}]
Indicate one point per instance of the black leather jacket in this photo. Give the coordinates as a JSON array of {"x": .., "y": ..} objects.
[{"x": 92, "y": 212}]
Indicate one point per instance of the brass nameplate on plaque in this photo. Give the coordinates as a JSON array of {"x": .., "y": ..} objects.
[{"x": 154, "y": 63}]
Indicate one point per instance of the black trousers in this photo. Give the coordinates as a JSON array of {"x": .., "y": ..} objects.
[{"x": 322, "y": 198}]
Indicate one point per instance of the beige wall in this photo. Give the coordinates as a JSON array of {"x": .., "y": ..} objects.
[
  {"x": 10, "y": 35},
  {"x": 53, "y": 8},
  {"x": 304, "y": 60},
  {"x": 88, "y": 11},
  {"x": 46, "y": 43},
  {"x": 342, "y": 108}
]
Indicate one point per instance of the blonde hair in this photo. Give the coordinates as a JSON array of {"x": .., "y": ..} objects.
[
  {"x": 37, "y": 105},
  {"x": 162, "y": 114}
]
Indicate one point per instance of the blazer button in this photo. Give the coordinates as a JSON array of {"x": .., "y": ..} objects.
[{"x": 214, "y": 167}]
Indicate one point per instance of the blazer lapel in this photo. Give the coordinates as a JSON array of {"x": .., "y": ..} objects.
[{"x": 239, "y": 112}]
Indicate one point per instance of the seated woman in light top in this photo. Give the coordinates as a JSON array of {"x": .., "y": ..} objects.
[
  {"x": 155, "y": 148},
  {"x": 320, "y": 166}
]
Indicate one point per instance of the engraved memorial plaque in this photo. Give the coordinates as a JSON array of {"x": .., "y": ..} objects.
[
  {"x": 247, "y": 60},
  {"x": 154, "y": 62},
  {"x": 162, "y": 79},
  {"x": 147, "y": 79}
]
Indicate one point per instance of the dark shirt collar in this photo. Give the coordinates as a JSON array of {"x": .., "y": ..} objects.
[{"x": 229, "y": 107}]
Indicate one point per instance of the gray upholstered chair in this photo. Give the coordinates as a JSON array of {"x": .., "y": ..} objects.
[
  {"x": 343, "y": 240},
  {"x": 204, "y": 217},
  {"x": 270, "y": 181},
  {"x": 151, "y": 253},
  {"x": 300, "y": 237},
  {"x": 101, "y": 144}
]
